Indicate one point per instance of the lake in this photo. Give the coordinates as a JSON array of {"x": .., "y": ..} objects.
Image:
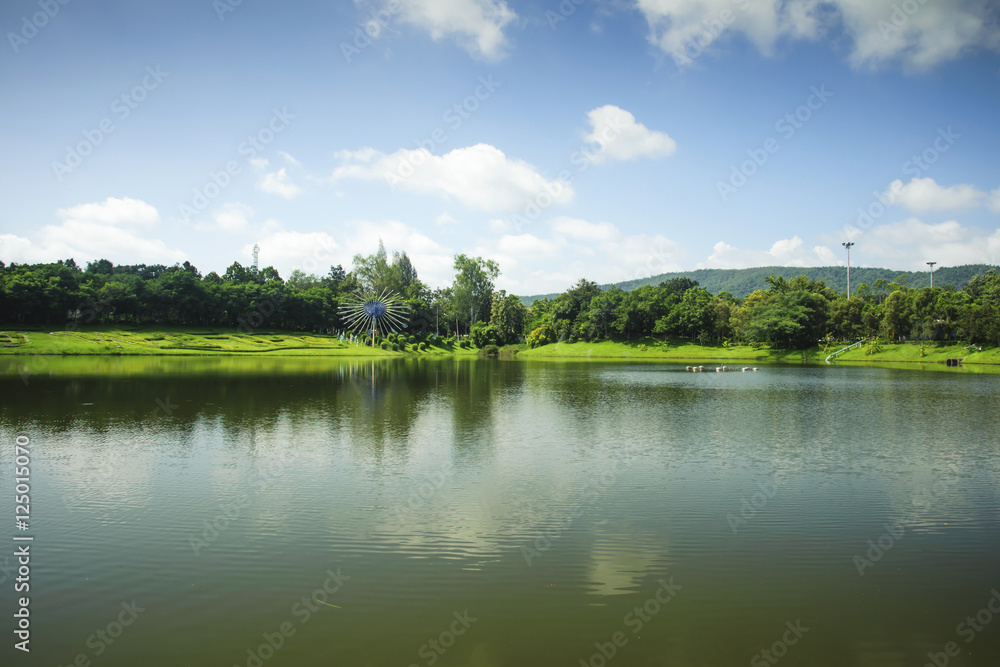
[{"x": 324, "y": 511}]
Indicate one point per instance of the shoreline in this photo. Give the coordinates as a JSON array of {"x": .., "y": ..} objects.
[{"x": 187, "y": 342}]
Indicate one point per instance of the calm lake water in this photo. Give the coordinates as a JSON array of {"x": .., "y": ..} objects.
[{"x": 487, "y": 513}]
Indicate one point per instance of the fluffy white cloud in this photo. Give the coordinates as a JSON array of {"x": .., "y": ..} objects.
[
  {"x": 574, "y": 249},
  {"x": 908, "y": 244},
  {"x": 232, "y": 216},
  {"x": 994, "y": 201},
  {"x": 924, "y": 194},
  {"x": 94, "y": 231},
  {"x": 582, "y": 230},
  {"x": 480, "y": 176},
  {"x": 919, "y": 33},
  {"x": 280, "y": 184},
  {"x": 476, "y": 25},
  {"x": 620, "y": 137},
  {"x": 113, "y": 211},
  {"x": 785, "y": 252}
]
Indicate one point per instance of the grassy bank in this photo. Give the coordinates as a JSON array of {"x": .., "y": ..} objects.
[
  {"x": 650, "y": 348},
  {"x": 687, "y": 351},
  {"x": 187, "y": 341}
]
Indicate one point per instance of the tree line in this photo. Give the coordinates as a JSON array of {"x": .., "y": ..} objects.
[
  {"x": 785, "y": 313},
  {"x": 788, "y": 314}
]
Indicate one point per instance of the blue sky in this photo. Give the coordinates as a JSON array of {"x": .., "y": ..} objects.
[{"x": 605, "y": 139}]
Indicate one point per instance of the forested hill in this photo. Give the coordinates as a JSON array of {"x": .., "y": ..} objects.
[{"x": 741, "y": 282}]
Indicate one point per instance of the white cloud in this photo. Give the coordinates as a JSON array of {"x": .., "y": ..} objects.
[
  {"x": 278, "y": 183},
  {"x": 581, "y": 230},
  {"x": 259, "y": 162},
  {"x": 908, "y": 244},
  {"x": 232, "y": 216},
  {"x": 445, "y": 219},
  {"x": 920, "y": 34},
  {"x": 94, "y": 231},
  {"x": 574, "y": 249},
  {"x": 113, "y": 211},
  {"x": 924, "y": 194},
  {"x": 480, "y": 176},
  {"x": 620, "y": 137},
  {"x": 476, "y": 25},
  {"x": 785, "y": 252},
  {"x": 289, "y": 159},
  {"x": 994, "y": 201},
  {"x": 526, "y": 246}
]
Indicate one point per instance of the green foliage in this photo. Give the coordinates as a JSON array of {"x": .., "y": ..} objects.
[
  {"x": 422, "y": 346},
  {"x": 542, "y": 335},
  {"x": 507, "y": 317},
  {"x": 485, "y": 334},
  {"x": 473, "y": 286},
  {"x": 490, "y": 351}
]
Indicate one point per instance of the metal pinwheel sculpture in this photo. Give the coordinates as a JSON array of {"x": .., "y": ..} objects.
[{"x": 374, "y": 311}]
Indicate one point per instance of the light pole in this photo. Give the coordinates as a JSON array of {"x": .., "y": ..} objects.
[
  {"x": 848, "y": 246},
  {"x": 931, "y": 264}
]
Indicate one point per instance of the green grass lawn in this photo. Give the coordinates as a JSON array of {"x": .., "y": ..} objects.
[
  {"x": 682, "y": 350},
  {"x": 187, "y": 341},
  {"x": 651, "y": 348}
]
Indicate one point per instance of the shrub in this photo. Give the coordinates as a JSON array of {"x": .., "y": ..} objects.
[
  {"x": 490, "y": 351},
  {"x": 411, "y": 339},
  {"x": 423, "y": 346},
  {"x": 464, "y": 344},
  {"x": 485, "y": 334},
  {"x": 543, "y": 335},
  {"x": 415, "y": 347},
  {"x": 385, "y": 345}
]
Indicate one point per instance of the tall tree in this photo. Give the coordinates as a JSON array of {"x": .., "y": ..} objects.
[{"x": 474, "y": 284}]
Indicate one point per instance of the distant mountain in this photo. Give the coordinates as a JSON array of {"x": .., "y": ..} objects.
[{"x": 740, "y": 282}]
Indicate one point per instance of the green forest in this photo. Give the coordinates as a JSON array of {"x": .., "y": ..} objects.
[{"x": 780, "y": 311}]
